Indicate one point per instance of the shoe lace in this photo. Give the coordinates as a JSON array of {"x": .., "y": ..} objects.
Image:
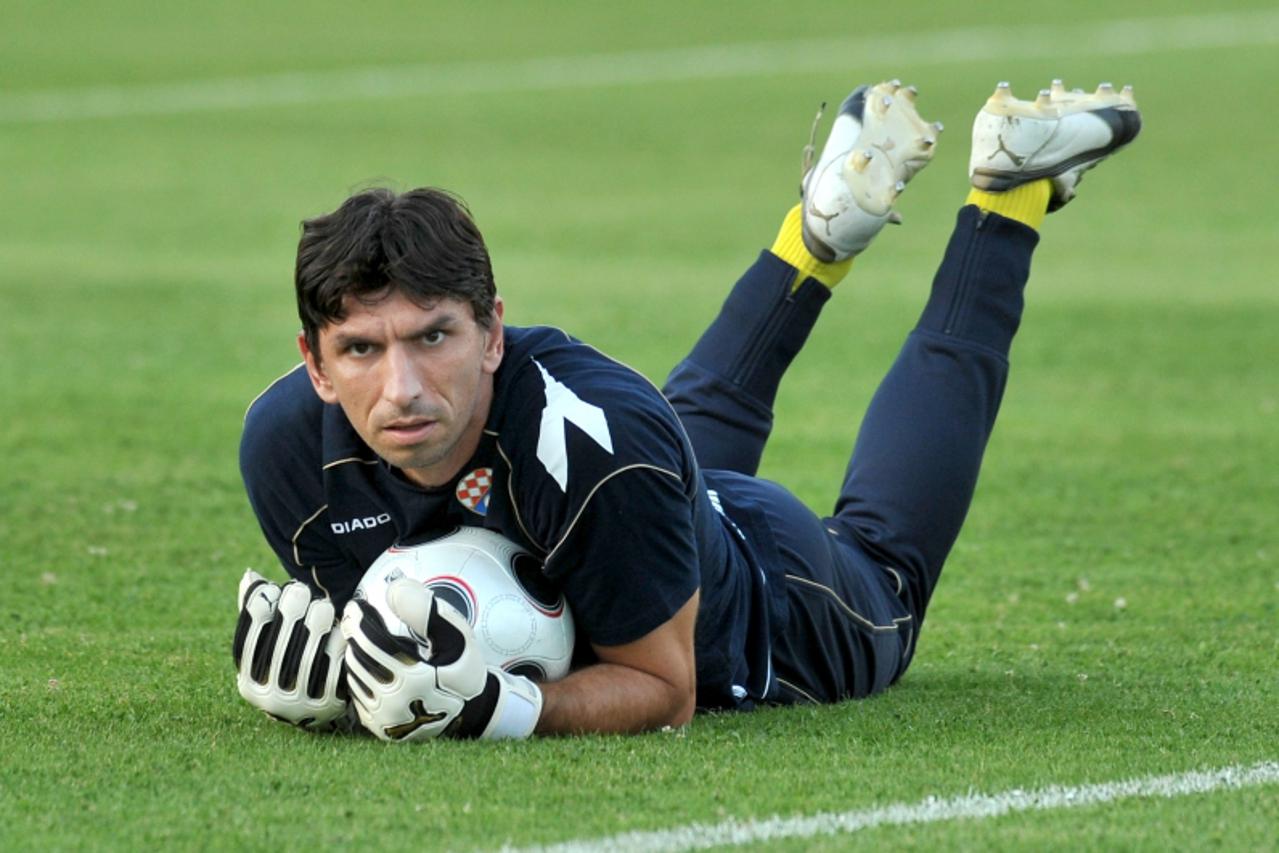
[{"x": 810, "y": 150}]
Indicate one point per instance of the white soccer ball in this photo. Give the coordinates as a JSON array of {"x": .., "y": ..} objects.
[{"x": 520, "y": 621}]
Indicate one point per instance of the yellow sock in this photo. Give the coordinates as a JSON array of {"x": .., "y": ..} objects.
[
  {"x": 1028, "y": 203},
  {"x": 789, "y": 246}
]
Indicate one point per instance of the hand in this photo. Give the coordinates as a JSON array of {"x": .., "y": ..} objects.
[
  {"x": 288, "y": 654},
  {"x": 433, "y": 682}
]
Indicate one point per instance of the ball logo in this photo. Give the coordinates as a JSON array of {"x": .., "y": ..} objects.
[{"x": 473, "y": 490}]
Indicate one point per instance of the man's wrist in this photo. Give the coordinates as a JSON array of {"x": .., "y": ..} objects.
[{"x": 518, "y": 709}]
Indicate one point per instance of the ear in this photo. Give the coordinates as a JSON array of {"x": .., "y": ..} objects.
[
  {"x": 495, "y": 340},
  {"x": 315, "y": 370}
]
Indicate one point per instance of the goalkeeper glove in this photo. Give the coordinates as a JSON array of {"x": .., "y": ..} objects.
[
  {"x": 288, "y": 654},
  {"x": 427, "y": 677}
]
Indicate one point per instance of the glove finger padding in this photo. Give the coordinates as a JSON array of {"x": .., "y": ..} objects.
[
  {"x": 322, "y": 660},
  {"x": 288, "y": 653},
  {"x": 291, "y": 635},
  {"x": 373, "y": 653},
  {"x": 257, "y": 601}
]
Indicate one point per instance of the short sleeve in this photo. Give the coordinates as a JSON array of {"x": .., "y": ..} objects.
[
  {"x": 629, "y": 561},
  {"x": 283, "y": 476}
]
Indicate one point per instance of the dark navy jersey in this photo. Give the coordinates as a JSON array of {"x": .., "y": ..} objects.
[{"x": 582, "y": 461}]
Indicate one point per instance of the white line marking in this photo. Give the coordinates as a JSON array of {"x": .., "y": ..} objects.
[
  {"x": 903, "y": 51},
  {"x": 697, "y": 836}
]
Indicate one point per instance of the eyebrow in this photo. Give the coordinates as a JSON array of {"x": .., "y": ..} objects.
[
  {"x": 342, "y": 340},
  {"x": 441, "y": 322}
]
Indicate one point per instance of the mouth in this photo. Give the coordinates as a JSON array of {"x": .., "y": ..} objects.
[{"x": 408, "y": 431}]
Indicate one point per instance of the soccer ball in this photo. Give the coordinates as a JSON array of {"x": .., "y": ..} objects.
[{"x": 521, "y": 622}]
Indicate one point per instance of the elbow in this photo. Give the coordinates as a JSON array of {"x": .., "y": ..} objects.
[
  {"x": 672, "y": 707},
  {"x": 683, "y": 704},
  {"x": 683, "y": 716}
]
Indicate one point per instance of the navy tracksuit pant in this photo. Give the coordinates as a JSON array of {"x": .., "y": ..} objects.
[{"x": 858, "y": 581}]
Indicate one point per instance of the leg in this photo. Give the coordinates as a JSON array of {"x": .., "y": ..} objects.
[
  {"x": 724, "y": 390},
  {"x": 847, "y": 632},
  {"x": 914, "y": 468},
  {"x": 851, "y": 624}
]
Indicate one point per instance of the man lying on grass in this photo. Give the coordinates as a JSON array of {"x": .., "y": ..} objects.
[{"x": 693, "y": 583}]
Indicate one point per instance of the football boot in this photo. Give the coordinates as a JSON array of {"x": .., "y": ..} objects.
[
  {"x": 876, "y": 145},
  {"x": 1059, "y": 135}
]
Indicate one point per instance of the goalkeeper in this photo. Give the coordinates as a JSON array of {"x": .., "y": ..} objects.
[{"x": 694, "y": 584}]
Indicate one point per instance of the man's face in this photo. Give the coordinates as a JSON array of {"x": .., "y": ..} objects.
[{"x": 416, "y": 383}]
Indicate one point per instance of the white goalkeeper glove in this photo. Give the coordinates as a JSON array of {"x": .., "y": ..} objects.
[
  {"x": 434, "y": 682},
  {"x": 288, "y": 653}
]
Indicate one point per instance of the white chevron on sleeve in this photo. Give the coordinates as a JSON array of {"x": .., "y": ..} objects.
[{"x": 563, "y": 405}]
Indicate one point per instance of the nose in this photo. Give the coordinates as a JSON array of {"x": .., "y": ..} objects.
[{"x": 402, "y": 385}]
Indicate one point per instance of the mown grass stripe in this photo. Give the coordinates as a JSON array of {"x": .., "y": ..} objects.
[
  {"x": 900, "y": 51},
  {"x": 699, "y": 836}
]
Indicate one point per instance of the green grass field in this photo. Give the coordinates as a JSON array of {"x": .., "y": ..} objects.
[{"x": 1111, "y": 610}]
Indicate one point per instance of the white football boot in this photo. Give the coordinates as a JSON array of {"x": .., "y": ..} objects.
[
  {"x": 876, "y": 145},
  {"x": 1059, "y": 135}
]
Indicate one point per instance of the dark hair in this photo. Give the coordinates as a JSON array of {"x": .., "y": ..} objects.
[{"x": 422, "y": 242}]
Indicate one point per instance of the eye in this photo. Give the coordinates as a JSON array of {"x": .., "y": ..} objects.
[
  {"x": 435, "y": 337},
  {"x": 359, "y": 349}
]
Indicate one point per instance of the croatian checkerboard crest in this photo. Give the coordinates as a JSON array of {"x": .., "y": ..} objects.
[{"x": 473, "y": 490}]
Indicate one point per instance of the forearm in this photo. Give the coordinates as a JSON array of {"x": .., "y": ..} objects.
[
  {"x": 607, "y": 698},
  {"x": 636, "y": 687}
]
